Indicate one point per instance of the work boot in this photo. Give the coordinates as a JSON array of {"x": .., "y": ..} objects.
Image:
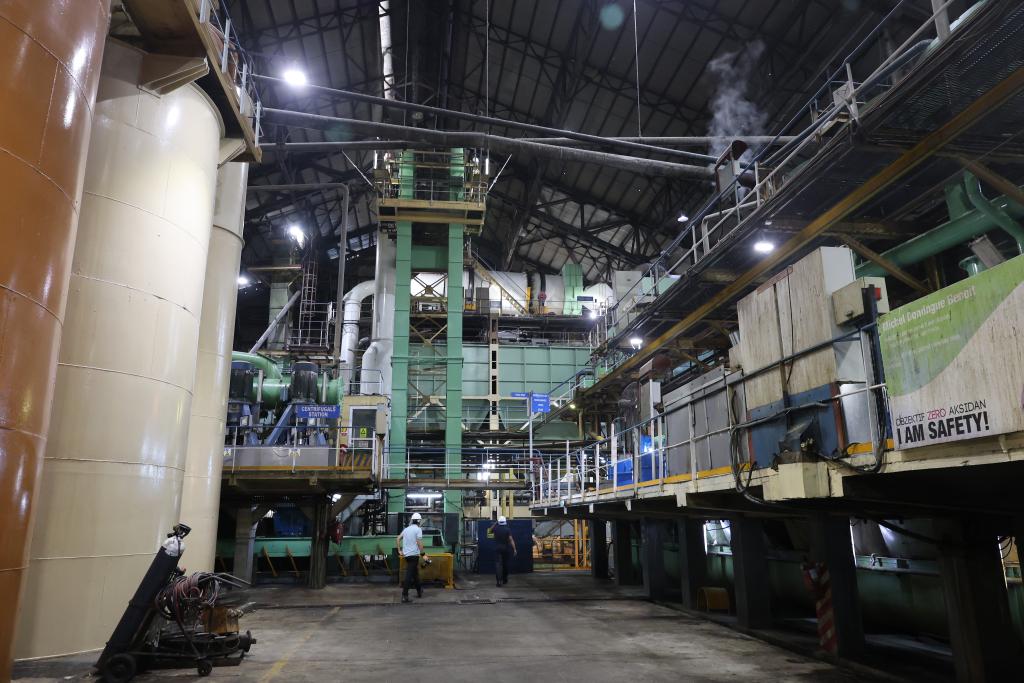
[{"x": 405, "y": 597}]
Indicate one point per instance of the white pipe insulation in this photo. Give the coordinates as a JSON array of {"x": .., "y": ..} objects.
[{"x": 353, "y": 303}]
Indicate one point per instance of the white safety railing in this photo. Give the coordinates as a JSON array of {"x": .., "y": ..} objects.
[
  {"x": 304, "y": 447},
  {"x": 234, "y": 61}
]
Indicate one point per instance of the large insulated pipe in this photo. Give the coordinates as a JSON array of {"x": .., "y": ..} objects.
[
  {"x": 353, "y": 304},
  {"x": 115, "y": 460},
  {"x": 495, "y": 143},
  {"x": 946, "y": 236},
  {"x": 52, "y": 52},
  {"x": 200, "y": 493},
  {"x": 376, "y": 366}
]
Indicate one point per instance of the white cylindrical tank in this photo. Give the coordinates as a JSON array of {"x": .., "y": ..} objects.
[
  {"x": 200, "y": 493},
  {"x": 112, "y": 476},
  {"x": 547, "y": 293}
]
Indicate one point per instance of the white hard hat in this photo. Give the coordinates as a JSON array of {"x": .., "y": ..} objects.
[
  {"x": 416, "y": 517},
  {"x": 502, "y": 520}
]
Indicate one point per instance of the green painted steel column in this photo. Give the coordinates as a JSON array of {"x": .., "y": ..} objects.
[
  {"x": 400, "y": 361},
  {"x": 453, "y": 365}
]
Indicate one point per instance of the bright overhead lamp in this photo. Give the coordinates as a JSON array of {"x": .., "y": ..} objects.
[
  {"x": 764, "y": 246},
  {"x": 243, "y": 281},
  {"x": 683, "y": 218},
  {"x": 295, "y": 77},
  {"x": 295, "y": 232},
  {"x": 572, "y": 406},
  {"x": 593, "y": 315},
  {"x": 636, "y": 343}
]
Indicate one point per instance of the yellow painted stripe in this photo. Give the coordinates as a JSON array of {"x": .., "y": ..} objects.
[{"x": 280, "y": 664}]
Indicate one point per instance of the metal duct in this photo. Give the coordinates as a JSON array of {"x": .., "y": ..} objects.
[
  {"x": 200, "y": 495},
  {"x": 115, "y": 459},
  {"x": 376, "y": 365},
  {"x": 52, "y": 67},
  {"x": 353, "y": 304},
  {"x": 495, "y": 143}
]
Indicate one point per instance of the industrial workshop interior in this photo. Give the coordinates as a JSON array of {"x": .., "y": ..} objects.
[{"x": 512, "y": 340}]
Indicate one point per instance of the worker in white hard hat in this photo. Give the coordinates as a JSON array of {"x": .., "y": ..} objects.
[
  {"x": 410, "y": 546},
  {"x": 505, "y": 549}
]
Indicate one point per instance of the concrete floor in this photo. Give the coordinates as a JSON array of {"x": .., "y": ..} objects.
[{"x": 549, "y": 627}]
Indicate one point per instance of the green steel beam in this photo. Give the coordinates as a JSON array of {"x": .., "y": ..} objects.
[
  {"x": 453, "y": 370},
  {"x": 400, "y": 361}
]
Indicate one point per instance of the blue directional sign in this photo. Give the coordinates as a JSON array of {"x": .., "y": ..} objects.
[
  {"x": 318, "y": 412},
  {"x": 540, "y": 403},
  {"x": 519, "y": 394}
]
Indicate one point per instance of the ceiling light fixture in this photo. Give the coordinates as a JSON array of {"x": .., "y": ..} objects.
[
  {"x": 295, "y": 232},
  {"x": 295, "y": 77},
  {"x": 683, "y": 218},
  {"x": 636, "y": 343},
  {"x": 763, "y": 246},
  {"x": 243, "y": 281}
]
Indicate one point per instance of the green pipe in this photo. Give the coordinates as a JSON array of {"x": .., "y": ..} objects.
[
  {"x": 973, "y": 265},
  {"x": 946, "y": 236},
  {"x": 334, "y": 390},
  {"x": 269, "y": 367},
  {"x": 997, "y": 216}
]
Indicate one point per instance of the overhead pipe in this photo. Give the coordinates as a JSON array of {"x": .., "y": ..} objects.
[
  {"x": 342, "y": 258},
  {"x": 270, "y": 369},
  {"x": 274, "y": 323},
  {"x": 683, "y": 141},
  {"x": 995, "y": 215},
  {"x": 494, "y": 142},
  {"x": 492, "y": 121},
  {"x": 946, "y": 236},
  {"x": 295, "y": 187}
]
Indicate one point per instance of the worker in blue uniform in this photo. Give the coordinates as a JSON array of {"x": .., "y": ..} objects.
[
  {"x": 410, "y": 545},
  {"x": 505, "y": 550}
]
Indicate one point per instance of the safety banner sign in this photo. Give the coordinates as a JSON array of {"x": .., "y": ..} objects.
[{"x": 953, "y": 360}]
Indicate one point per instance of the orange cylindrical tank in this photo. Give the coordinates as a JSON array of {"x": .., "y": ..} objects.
[{"x": 51, "y": 52}]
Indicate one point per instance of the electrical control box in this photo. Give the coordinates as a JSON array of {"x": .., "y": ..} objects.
[{"x": 848, "y": 301}]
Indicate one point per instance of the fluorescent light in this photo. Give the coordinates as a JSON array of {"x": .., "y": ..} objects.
[
  {"x": 295, "y": 77},
  {"x": 423, "y": 496},
  {"x": 764, "y": 247},
  {"x": 487, "y": 166},
  {"x": 683, "y": 218},
  {"x": 296, "y": 234},
  {"x": 243, "y": 281}
]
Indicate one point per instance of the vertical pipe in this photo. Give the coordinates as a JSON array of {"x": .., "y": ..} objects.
[
  {"x": 200, "y": 495},
  {"x": 115, "y": 459},
  {"x": 51, "y": 53},
  {"x": 339, "y": 307}
]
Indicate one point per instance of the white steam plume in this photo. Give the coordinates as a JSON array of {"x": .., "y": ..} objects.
[{"x": 733, "y": 114}]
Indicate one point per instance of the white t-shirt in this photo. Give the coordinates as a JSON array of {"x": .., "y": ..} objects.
[{"x": 410, "y": 535}]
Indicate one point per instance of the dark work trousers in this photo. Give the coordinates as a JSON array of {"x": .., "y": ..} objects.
[
  {"x": 502, "y": 560},
  {"x": 412, "y": 575}
]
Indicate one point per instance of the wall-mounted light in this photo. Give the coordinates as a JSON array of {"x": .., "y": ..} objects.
[
  {"x": 294, "y": 77},
  {"x": 572, "y": 406},
  {"x": 243, "y": 281}
]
